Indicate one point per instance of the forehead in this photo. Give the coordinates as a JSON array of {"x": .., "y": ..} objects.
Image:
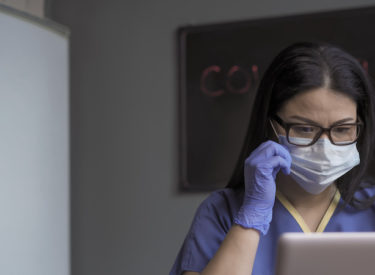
[{"x": 321, "y": 105}]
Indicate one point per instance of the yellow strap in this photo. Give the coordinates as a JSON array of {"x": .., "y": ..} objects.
[
  {"x": 331, "y": 209},
  {"x": 301, "y": 222},
  {"x": 284, "y": 201}
]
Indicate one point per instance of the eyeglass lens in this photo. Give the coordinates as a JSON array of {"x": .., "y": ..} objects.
[{"x": 340, "y": 134}]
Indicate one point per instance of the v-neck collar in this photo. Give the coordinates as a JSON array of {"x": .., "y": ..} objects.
[{"x": 301, "y": 222}]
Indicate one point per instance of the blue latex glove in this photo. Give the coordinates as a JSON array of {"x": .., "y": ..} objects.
[{"x": 261, "y": 168}]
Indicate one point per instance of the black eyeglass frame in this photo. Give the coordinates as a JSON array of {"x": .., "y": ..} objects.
[{"x": 287, "y": 127}]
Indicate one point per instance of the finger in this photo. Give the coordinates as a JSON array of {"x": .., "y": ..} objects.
[
  {"x": 270, "y": 149},
  {"x": 278, "y": 162},
  {"x": 276, "y": 149},
  {"x": 261, "y": 147},
  {"x": 275, "y": 172}
]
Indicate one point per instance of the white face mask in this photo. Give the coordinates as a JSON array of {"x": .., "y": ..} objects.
[{"x": 317, "y": 166}]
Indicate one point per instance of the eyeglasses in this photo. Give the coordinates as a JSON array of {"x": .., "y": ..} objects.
[{"x": 307, "y": 134}]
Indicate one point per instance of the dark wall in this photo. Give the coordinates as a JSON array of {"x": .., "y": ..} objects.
[{"x": 127, "y": 217}]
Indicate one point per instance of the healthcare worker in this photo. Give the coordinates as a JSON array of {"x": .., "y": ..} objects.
[{"x": 302, "y": 167}]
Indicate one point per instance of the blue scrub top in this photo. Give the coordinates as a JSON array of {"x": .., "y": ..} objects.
[{"x": 214, "y": 218}]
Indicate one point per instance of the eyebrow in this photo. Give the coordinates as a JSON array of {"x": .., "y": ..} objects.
[{"x": 314, "y": 122}]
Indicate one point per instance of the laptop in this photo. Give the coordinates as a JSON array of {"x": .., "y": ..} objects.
[{"x": 326, "y": 253}]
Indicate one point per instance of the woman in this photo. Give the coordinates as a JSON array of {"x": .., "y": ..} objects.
[{"x": 302, "y": 169}]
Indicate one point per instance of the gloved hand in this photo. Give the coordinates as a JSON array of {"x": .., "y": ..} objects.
[{"x": 261, "y": 168}]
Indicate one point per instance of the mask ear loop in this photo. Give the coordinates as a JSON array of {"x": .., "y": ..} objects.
[{"x": 273, "y": 128}]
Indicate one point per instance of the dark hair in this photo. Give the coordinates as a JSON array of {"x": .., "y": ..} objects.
[{"x": 304, "y": 66}]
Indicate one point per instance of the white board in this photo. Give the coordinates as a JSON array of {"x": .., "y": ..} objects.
[{"x": 34, "y": 146}]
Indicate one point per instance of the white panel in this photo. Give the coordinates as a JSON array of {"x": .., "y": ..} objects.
[{"x": 34, "y": 152}]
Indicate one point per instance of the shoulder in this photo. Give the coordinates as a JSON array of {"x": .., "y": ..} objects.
[
  {"x": 364, "y": 196},
  {"x": 226, "y": 198},
  {"x": 219, "y": 209},
  {"x": 213, "y": 219},
  {"x": 222, "y": 204},
  {"x": 366, "y": 190}
]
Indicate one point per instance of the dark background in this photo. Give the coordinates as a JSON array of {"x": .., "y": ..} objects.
[{"x": 218, "y": 81}]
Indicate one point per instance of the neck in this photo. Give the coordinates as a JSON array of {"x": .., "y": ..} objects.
[{"x": 298, "y": 197}]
